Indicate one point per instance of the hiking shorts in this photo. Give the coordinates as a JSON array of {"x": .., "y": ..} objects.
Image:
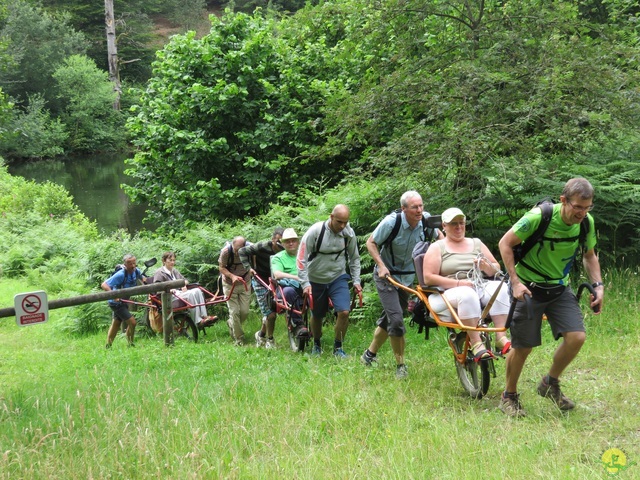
[
  {"x": 563, "y": 314},
  {"x": 120, "y": 311},
  {"x": 337, "y": 291},
  {"x": 394, "y": 302}
]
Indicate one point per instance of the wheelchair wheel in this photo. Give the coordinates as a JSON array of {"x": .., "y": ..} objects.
[
  {"x": 298, "y": 344},
  {"x": 474, "y": 376},
  {"x": 293, "y": 341},
  {"x": 184, "y": 328}
]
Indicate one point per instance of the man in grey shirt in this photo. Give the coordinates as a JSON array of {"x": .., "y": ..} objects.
[{"x": 324, "y": 253}]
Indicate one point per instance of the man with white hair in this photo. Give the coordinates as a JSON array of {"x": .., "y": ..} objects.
[{"x": 394, "y": 257}]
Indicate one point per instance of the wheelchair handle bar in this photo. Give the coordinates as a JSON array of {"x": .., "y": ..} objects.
[
  {"x": 589, "y": 287},
  {"x": 512, "y": 308}
]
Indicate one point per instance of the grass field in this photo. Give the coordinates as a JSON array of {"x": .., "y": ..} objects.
[{"x": 69, "y": 409}]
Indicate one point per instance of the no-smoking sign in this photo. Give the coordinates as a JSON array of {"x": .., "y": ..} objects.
[{"x": 31, "y": 308}]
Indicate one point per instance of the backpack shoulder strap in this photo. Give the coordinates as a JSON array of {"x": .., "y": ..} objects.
[
  {"x": 395, "y": 230},
  {"x": 584, "y": 231},
  {"x": 547, "y": 212},
  {"x": 229, "y": 255},
  {"x": 314, "y": 254}
]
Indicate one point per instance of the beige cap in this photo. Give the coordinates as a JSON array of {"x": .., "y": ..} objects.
[{"x": 450, "y": 213}]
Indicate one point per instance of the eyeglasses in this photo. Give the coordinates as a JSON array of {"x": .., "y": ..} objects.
[
  {"x": 581, "y": 209},
  {"x": 415, "y": 207},
  {"x": 457, "y": 224}
]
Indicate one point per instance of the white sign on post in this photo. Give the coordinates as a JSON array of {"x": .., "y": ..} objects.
[{"x": 31, "y": 308}]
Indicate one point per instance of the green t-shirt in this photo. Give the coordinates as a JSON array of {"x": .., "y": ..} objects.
[
  {"x": 283, "y": 262},
  {"x": 554, "y": 258}
]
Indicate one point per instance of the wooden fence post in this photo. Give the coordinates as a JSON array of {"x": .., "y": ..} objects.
[{"x": 167, "y": 318}]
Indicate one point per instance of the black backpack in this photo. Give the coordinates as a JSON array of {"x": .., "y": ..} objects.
[
  {"x": 428, "y": 230},
  {"x": 420, "y": 317},
  {"x": 520, "y": 251}
]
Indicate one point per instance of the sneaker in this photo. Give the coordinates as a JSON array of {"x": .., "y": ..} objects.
[
  {"x": 367, "y": 360},
  {"x": 402, "y": 372},
  {"x": 316, "y": 350},
  {"x": 511, "y": 406},
  {"x": 270, "y": 343},
  {"x": 552, "y": 391},
  {"x": 260, "y": 341},
  {"x": 340, "y": 353}
]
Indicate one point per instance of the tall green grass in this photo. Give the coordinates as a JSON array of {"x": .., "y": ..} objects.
[{"x": 71, "y": 409}]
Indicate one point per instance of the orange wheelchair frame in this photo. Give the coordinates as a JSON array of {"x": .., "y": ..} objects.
[{"x": 474, "y": 375}]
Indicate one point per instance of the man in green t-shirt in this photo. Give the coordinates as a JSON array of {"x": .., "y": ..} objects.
[
  {"x": 543, "y": 274},
  {"x": 285, "y": 270}
]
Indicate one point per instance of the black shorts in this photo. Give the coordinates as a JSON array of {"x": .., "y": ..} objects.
[
  {"x": 563, "y": 314},
  {"x": 120, "y": 311}
]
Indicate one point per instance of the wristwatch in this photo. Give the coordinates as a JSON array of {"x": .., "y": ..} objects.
[{"x": 597, "y": 284}]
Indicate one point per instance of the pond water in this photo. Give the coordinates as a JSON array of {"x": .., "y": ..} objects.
[{"x": 94, "y": 182}]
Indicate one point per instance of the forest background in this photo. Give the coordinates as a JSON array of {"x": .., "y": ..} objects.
[{"x": 272, "y": 117}]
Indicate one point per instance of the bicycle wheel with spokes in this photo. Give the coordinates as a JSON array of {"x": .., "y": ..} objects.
[
  {"x": 184, "y": 328},
  {"x": 474, "y": 376}
]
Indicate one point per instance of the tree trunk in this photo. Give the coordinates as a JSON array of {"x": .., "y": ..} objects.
[{"x": 112, "y": 51}]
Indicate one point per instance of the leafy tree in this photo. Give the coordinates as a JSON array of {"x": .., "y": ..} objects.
[
  {"x": 6, "y": 108},
  {"x": 488, "y": 99},
  {"x": 87, "y": 96},
  {"x": 136, "y": 39},
  {"x": 249, "y": 6},
  {"x": 38, "y": 44},
  {"x": 226, "y": 122},
  {"x": 32, "y": 133}
]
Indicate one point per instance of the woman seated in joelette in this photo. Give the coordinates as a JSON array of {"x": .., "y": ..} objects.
[
  {"x": 447, "y": 264},
  {"x": 192, "y": 296}
]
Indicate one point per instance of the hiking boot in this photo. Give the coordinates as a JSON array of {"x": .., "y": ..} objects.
[
  {"x": 367, "y": 360},
  {"x": 510, "y": 405},
  {"x": 316, "y": 350},
  {"x": 340, "y": 353},
  {"x": 271, "y": 343},
  {"x": 260, "y": 341},
  {"x": 553, "y": 392},
  {"x": 402, "y": 372}
]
